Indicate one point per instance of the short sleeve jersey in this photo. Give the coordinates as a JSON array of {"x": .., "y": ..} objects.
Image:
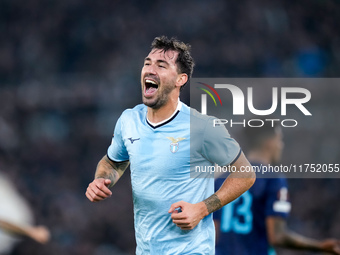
[{"x": 160, "y": 163}]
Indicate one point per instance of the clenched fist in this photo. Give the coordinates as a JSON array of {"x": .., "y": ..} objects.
[
  {"x": 98, "y": 190},
  {"x": 189, "y": 215}
]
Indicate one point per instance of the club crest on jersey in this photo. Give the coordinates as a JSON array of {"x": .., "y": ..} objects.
[{"x": 175, "y": 143}]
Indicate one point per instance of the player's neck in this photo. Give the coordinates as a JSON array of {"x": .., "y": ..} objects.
[
  {"x": 164, "y": 112},
  {"x": 259, "y": 156}
]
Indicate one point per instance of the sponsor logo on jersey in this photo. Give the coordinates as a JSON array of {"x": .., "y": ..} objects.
[{"x": 133, "y": 140}]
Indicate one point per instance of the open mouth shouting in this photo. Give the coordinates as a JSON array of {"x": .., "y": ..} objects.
[{"x": 150, "y": 87}]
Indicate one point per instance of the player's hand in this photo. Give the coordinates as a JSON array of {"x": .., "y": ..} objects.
[
  {"x": 98, "y": 190},
  {"x": 189, "y": 216},
  {"x": 331, "y": 245},
  {"x": 40, "y": 234}
]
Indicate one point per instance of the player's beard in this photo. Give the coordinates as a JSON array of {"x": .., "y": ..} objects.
[{"x": 161, "y": 97}]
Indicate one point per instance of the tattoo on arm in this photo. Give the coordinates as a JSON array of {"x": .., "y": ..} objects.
[
  {"x": 119, "y": 166},
  {"x": 111, "y": 170},
  {"x": 213, "y": 203},
  {"x": 112, "y": 175}
]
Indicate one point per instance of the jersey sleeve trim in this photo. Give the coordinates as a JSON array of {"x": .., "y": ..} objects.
[
  {"x": 236, "y": 158},
  {"x": 114, "y": 160}
]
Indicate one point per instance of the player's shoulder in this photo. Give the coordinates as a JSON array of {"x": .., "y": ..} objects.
[
  {"x": 138, "y": 110},
  {"x": 197, "y": 119},
  {"x": 196, "y": 115},
  {"x": 207, "y": 125}
]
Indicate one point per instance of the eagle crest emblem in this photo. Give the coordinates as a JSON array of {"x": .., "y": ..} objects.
[{"x": 175, "y": 143}]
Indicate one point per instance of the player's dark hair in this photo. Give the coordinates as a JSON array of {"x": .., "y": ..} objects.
[
  {"x": 256, "y": 136},
  {"x": 185, "y": 62}
]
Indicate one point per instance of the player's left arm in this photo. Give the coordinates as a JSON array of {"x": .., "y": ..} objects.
[{"x": 235, "y": 185}]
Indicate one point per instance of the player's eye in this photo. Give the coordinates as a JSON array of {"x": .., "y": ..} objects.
[{"x": 161, "y": 66}]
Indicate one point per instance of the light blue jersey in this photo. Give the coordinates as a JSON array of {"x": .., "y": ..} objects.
[{"x": 160, "y": 175}]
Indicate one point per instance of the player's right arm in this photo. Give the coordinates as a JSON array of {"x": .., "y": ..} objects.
[
  {"x": 107, "y": 174},
  {"x": 110, "y": 168}
]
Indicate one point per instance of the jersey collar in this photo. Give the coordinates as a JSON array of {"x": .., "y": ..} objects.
[{"x": 163, "y": 122}]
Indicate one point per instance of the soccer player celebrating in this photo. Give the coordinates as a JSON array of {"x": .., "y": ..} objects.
[
  {"x": 256, "y": 221},
  {"x": 172, "y": 209}
]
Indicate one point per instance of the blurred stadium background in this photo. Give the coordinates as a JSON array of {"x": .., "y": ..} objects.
[{"x": 69, "y": 68}]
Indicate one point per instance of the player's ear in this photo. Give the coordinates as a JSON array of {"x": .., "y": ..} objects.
[{"x": 182, "y": 78}]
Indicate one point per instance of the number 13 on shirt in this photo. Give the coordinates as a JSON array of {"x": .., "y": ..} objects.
[{"x": 237, "y": 216}]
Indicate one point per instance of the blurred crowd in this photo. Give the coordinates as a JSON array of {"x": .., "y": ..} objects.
[
  {"x": 69, "y": 68},
  {"x": 229, "y": 38}
]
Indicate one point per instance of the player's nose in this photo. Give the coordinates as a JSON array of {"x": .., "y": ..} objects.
[{"x": 150, "y": 69}]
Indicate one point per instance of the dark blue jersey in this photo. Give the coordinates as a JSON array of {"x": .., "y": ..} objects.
[{"x": 242, "y": 222}]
